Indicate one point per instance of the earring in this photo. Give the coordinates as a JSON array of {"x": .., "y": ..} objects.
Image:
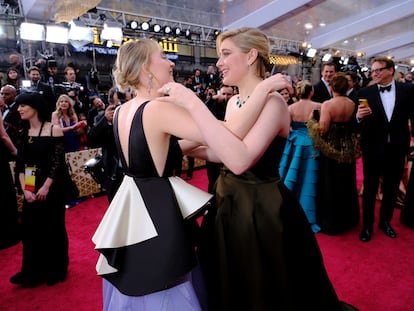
[{"x": 149, "y": 83}]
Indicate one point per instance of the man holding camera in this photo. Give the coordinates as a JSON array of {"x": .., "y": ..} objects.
[{"x": 101, "y": 135}]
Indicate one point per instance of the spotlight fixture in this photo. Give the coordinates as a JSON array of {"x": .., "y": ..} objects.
[
  {"x": 133, "y": 25},
  {"x": 326, "y": 57},
  {"x": 177, "y": 31},
  {"x": 216, "y": 33},
  {"x": 157, "y": 28},
  {"x": 311, "y": 52},
  {"x": 167, "y": 30},
  {"x": 145, "y": 26},
  {"x": 188, "y": 34}
]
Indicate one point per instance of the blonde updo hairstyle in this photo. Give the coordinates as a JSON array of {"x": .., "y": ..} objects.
[
  {"x": 247, "y": 38},
  {"x": 128, "y": 65},
  {"x": 304, "y": 89}
]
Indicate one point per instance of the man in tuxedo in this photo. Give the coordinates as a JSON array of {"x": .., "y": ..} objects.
[
  {"x": 352, "y": 92},
  {"x": 198, "y": 83},
  {"x": 212, "y": 79},
  {"x": 43, "y": 88},
  {"x": 97, "y": 106},
  {"x": 101, "y": 134},
  {"x": 385, "y": 140},
  {"x": 11, "y": 117},
  {"x": 322, "y": 90}
]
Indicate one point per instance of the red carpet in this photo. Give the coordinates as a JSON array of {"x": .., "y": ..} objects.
[{"x": 374, "y": 276}]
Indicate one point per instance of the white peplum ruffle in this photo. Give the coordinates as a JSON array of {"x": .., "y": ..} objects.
[{"x": 127, "y": 221}]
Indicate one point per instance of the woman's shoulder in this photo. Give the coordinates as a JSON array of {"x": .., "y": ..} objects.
[{"x": 55, "y": 130}]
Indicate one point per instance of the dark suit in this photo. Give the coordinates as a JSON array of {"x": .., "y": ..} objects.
[
  {"x": 12, "y": 121},
  {"x": 212, "y": 79},
  {"x": 320, "y": 92},
  {"x": 101, "y": 134},
  {"x": 384, "y": 146},
  {"x": 353, "y": 95}
]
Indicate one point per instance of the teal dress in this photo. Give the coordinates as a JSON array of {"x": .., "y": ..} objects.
[{"x": 299, "y": 169}]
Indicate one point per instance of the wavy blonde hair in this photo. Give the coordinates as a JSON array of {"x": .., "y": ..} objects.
[
  {"x": 247, "y": 38},
  {"x": 71, "y": 111}
]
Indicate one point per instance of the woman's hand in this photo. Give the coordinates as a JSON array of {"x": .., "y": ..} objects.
[
  {"x": 29, "y": 196},
  {"x": 275, "y": 83},
  {"x": 42, "y": 193},
  {"x": 178, "y": 94}
]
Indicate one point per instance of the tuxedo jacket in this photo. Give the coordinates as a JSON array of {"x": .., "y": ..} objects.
[
  {"x": 354, "y": 96},
  {"x": 12, "y": 122},
  {"x": 320, "y": 92},
  {"x": 377, "y": 131}
]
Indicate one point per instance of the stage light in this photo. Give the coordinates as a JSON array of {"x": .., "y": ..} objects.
[
  {"x": 145, "y": 26},
  {"x": 134, "y": 25},
  {"x": 157, "y": 28},
  {"x": 34, "y": 32},
  {"x": 311, "y": 52},
  {"x": 177, "y": 31},
  {"x": 167, "y": 30},
  {"x": 326, "y": 57},
  {"x": 79, "y": 34},
  {"x": 188, "y": 34},
  {"x": 112, "y": 31},
  {"x": 57, "y": 34},
  {"x": 216, "y": 33}
]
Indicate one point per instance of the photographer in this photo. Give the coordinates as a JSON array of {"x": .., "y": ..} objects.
[
  {"x": 76, "y": 91},
  {"x": 101, "y": 135},
  {"x": 44, "y": 89}
]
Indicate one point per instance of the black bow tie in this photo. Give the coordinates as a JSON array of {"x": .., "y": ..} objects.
[{"x": 385, "y": 88}]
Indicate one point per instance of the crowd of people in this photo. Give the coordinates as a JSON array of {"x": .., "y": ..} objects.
[{"x": 280, "y": 160}]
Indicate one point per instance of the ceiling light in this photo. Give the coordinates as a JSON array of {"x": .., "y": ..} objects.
[
  {"x": 145, "y": 26},
  {"x": 57, "y": 34},
  {"x": 308, "y": 26},
  {"x": 34, "y": 32}
]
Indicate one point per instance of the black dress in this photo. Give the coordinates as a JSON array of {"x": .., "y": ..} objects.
[
  {"x": 337, "y": 206},
  {"x": 268, "y": 257},
  {"x": 144, "y": 242},
  {"x": 44, "y": 236}
]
